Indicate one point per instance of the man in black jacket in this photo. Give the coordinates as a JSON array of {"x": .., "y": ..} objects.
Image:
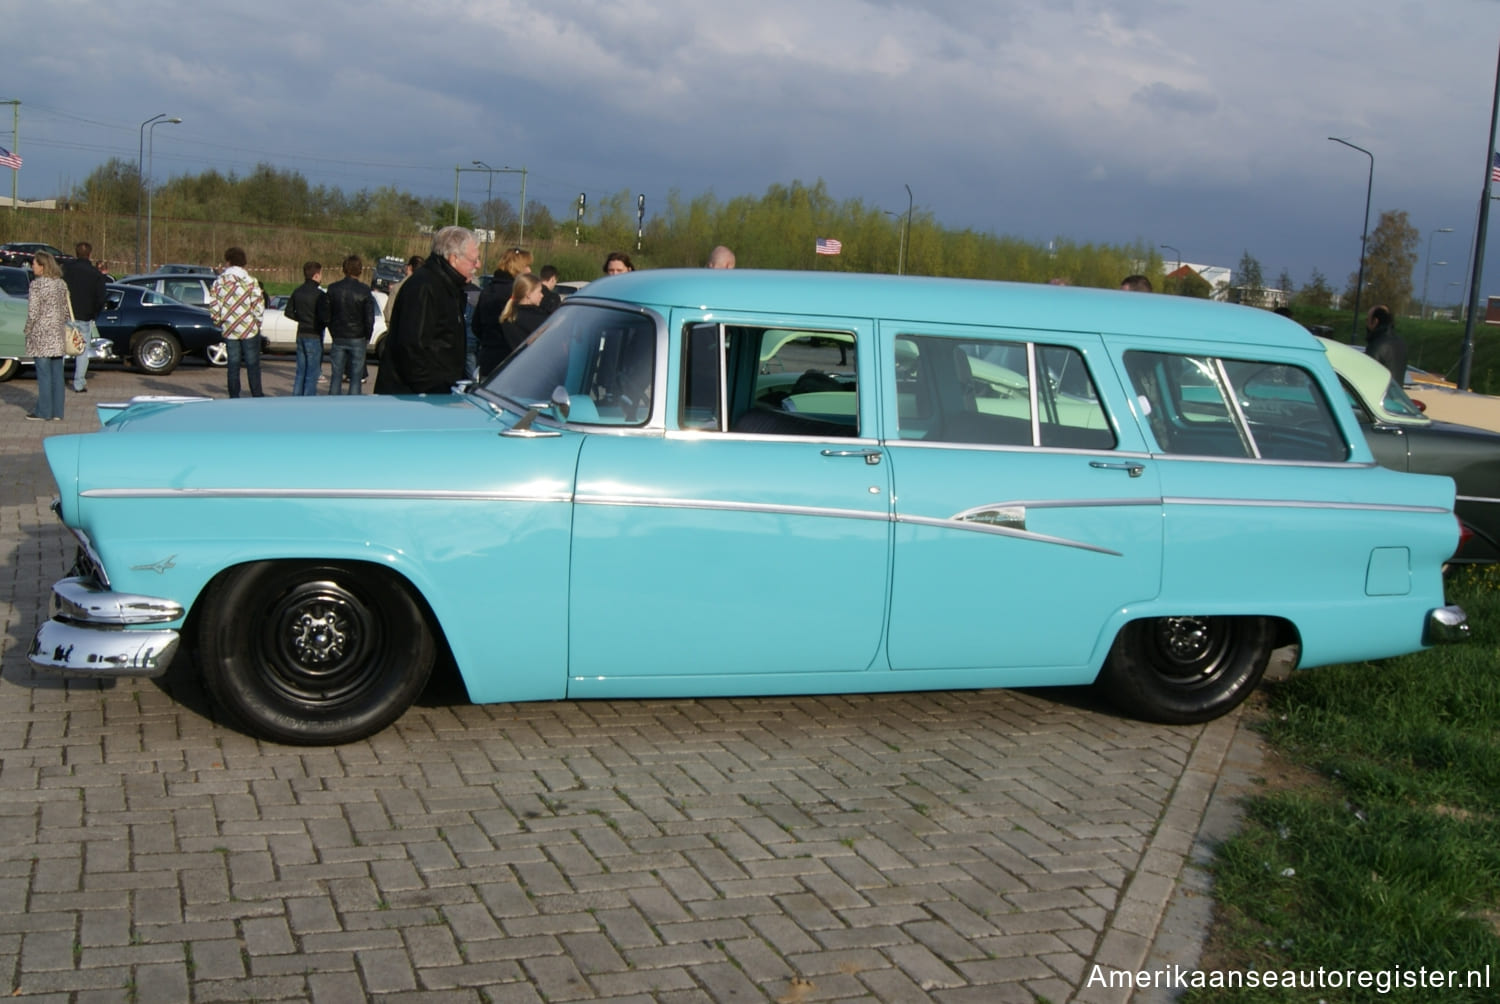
[
  {"x": 424, "y": 348},
  {"x": 308, "y": 306},
  {"x": 1384, "y": 345},
  {"x": 351, "y": 322},
  {"x": 86, "y": 294}
]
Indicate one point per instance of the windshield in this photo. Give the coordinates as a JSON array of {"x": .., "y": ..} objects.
[
  {"x": 1397, "y": 403},
  {"x": 605, "y": 359}
]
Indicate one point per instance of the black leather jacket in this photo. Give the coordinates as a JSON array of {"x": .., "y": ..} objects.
[
  {"x": 308, "y": 306},
  {"x": 351, "y": 310},
  {"x": 424, "y": 348}
]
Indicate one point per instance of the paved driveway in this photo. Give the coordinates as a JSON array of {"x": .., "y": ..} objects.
[{"x": 987, "y": 847}]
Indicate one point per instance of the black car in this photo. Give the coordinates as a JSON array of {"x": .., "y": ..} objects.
[
  {"x": 15, "y": 281},
  {"x": 19, "y": 253},
  {"x": 154, "y": 331},
  {"x": 388, "y": 272}
]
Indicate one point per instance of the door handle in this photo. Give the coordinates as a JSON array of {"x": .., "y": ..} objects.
[
  {"x": 1135, "y": 470},
  {"x": 872, "y": 457}
]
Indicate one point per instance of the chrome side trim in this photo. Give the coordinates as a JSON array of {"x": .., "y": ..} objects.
[
  {"x": 325, "y": 493},
  {"x": 81, "y": 601},
  {"x": 1004, "y": 531},
  {"x": 714, "y": 505},
  {"x": 80, "y": 650},
  {"x": 1475, "y": 498},
  {"x": 1302, "y": 504}
]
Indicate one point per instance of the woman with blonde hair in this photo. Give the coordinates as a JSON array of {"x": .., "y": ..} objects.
[
  {"x": 491, "y": 302},
  {"x": 47, "y": 317},
  {"x": 522, "y": 315}
]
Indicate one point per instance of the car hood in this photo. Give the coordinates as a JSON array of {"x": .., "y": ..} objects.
[
  {"x": 308, "y": 447},
  {"x": 327, "y": 415}
]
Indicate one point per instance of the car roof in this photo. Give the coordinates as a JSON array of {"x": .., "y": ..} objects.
[
  {"x": 951, "y": 301},
  {"x": 1369, "y": 378},
  {"x": 135, "y": 280}
]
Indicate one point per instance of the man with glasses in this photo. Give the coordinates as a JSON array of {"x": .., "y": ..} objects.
[{"x": 424, "y": 348}]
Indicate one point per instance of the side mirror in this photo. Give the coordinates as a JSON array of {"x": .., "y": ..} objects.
[{"x": 559, "y": 404}]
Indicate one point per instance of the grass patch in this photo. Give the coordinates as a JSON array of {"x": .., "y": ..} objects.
[{"x": 1389, "y": 856}]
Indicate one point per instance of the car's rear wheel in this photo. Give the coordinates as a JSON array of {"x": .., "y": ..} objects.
[
  {"x": 217, "y": 354},
  {"x": 313, "y": 653},
  {"x": 156, "y": 351},
  {"x": 1181, "y": 670},
  {"x": 9, "y": 368}
]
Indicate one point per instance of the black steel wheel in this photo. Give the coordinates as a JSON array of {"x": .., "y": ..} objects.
[
  {"x": 1181, "y": 670},
  {"x": 313, "y": 653}
]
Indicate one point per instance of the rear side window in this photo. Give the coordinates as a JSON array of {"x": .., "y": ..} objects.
[
  {"x": 995, "y": 393},
  {"x": 1239, "y": 408}
]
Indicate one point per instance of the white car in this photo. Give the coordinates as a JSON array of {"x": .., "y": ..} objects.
[{"x": 280, "y": 331}]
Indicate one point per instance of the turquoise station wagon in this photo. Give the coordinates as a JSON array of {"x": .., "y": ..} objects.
[{"x": 709, "y": 483}]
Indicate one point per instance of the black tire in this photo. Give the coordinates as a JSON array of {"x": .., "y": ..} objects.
[
  {"x": 313, "y": 653},
  {"x": 9, "y": 368},
  {"x": 155, "y": 351},
  {"x": 1182, "y": 670}
]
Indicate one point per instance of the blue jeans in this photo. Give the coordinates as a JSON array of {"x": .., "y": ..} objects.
[
  {"x": 309, "y": 365},
  {"x": 50, "y": 388},
  {"x": 348, "y": 361},
  {"x": 471, "y": 356},
  {"x": 81, "y": 363},
  {"x": 246, "y": 350}
]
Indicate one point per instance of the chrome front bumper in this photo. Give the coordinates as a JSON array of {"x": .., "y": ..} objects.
[
  {"x": 92, "y": 633},
  {"x": 1446, "y": 624}
]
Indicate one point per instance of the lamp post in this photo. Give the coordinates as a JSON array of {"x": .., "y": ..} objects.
[
  {"x": 150, "y": 158},
  {"x": 1177, "y": 253},
  {"x": 901, "y": 253},
  {"x": 1359, "y": 283},
  {"x": 901, "y": 258},
  {"x": 1428, "y": 273},
  {"x": 140, "y": 192},
  {"x": 489, "y": 208}
]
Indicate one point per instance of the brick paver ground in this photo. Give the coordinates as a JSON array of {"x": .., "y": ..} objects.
[{"x": 981, "y": 847}]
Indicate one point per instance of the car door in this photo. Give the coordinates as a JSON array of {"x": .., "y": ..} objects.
[
  {"x": 733, "y": 543},
  {"x": 1027, "y": 520}
]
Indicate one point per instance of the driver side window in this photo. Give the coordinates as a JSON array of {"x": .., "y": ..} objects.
[{"x": 770, "y": 381}]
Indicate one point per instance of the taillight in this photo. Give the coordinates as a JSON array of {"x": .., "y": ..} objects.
[{"x": 1464, "y": 536}]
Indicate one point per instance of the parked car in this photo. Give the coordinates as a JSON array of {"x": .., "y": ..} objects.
[
  {"x": 1404, "y": 439},
  {"x": 388, "y": 272},
  {"x": 12, "y": 335},
  {"x": 192, "y": 290},
  {"x": 19, "y": 253},
  {"x": 15, "y": 280},
  {"x": 280, "y": 331},
  {"x": 207, "y": 270},
  {"x": 153, "y": 331},
  {"x": 713, "y": 483}
]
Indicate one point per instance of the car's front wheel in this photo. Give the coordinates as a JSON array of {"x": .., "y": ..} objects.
[
  {"x": 313, "y": 653},
  {"x": 155, "y": 351},
  {"x": 217, "y": 354},
  {"x": 9, "y": 368},
  {"x": 1182, "y": 670}
]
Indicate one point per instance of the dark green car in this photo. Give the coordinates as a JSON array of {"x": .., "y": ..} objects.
[{"x": 1404, "y": 439}]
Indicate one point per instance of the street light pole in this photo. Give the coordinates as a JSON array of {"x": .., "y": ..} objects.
[
  {"x": 1177, "y": 253},
  {"x": 489, "y": 207},
  {"x": 1359, "y": 283},
  {"x": 1428, "y": 273},
  {"x": 150, "y": 161},
  {"x": 140, "y": 187},
  {"x": 901, "y": 258}
]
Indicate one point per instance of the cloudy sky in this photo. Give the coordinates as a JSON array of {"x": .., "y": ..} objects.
[{"x": 1199, "y": 125}]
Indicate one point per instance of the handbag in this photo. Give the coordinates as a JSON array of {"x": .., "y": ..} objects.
[{"x": 75, "y": 334}]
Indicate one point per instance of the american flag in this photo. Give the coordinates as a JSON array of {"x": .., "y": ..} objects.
[
  {"x": 1494, "y": 167},
  {"x": 10, "y": 160},
  {"x": 827, "y": 245}
]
